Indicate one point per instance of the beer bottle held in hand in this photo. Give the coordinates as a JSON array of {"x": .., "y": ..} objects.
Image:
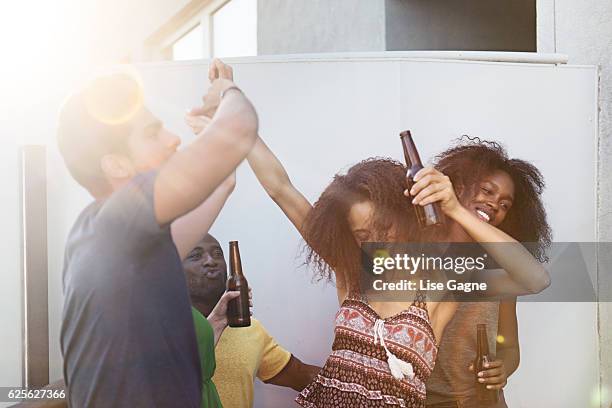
[
  {"x": 484, "y": 395},
  {"x": 428, "y": 215},
  {"x": 238, "y": 311}
]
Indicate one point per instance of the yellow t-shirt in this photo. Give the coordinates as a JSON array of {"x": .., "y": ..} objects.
[{"x": 242, "y": 354}]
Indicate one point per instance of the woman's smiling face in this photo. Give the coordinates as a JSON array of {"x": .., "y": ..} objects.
[{"x": 493, "y": 197}]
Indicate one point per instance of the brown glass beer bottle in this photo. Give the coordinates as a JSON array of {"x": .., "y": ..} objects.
[
  {"x": 238, "y": 311},
  {"x": 428, "y": 215},
  {"x": 484, "y": 395}
]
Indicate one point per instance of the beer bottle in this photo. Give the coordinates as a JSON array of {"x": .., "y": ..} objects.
[
  {"x": 484, "y": 395},
  {"x": 238, "y": 311},
  {"x": 430, "y": 214}
]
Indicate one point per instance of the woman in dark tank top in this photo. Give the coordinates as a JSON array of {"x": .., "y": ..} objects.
[{"x": 507, "y": 194}]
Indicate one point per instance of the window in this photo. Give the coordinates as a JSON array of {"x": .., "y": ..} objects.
[
  {"x": 190, "y": 46},
  {"x": 222, "y": 28},
  {"x": 235, "y": 29}
]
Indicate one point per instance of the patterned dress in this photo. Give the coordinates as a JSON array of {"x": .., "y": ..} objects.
[{"x": 357, "y": 373}]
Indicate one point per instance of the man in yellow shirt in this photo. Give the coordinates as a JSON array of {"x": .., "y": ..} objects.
[{"x": 241, "y": 353}]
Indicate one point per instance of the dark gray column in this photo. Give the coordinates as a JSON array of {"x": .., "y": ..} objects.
[{"x": 35, "y": 274}]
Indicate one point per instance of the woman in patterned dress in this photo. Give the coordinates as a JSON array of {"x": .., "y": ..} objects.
[
  {"x": 368, "y": 204},
  {"x": 365, "y": 205},
  {"x": 383, "y": 352}
]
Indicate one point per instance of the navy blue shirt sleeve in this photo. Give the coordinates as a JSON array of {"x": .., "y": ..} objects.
[{"x": 131, "y": 209}]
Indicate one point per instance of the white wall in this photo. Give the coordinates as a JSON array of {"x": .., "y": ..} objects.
[
  {"x": 321, "y": 116},
  {"x": 583, "y": 30}
]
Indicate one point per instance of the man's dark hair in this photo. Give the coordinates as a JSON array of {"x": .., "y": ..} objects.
[{"x": 94, "y": 122}]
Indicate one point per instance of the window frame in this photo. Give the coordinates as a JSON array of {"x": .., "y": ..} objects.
[{"x": 202, "y": 18}]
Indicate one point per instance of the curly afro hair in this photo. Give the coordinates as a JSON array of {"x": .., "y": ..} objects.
[
  {"x": 526, "y": 221},
  {"x": 331, "y": 246}
]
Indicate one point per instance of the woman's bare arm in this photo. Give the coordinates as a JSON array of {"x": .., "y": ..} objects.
[
  {"x": 270, "y": 172},
  {"x": 274, "y": 179},
  {"x": 508, "y": 349},
  {"x": 520, "y": 272},
  {"x": 266, "y": 166},
  {"x": 272, "y": 175}
]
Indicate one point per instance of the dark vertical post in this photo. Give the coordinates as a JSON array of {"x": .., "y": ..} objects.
[{"x": 34, "y": 266}]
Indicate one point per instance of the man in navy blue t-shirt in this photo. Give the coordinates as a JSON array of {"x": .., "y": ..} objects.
[{"x": 127, "y": 334}]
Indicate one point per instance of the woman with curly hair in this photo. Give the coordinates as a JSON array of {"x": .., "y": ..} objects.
[
  {"x": 506, "y": 193},
  {"x": 383, "y": 352},
  {"x": 368, "y": 204}
]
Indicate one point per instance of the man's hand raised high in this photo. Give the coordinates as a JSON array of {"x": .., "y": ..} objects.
[
  {"x": 219, "y": 69},
  {"x": 221, "y": 77},
  {"x": 212, "y": 99},
  {"x": 192, "y": 174}
]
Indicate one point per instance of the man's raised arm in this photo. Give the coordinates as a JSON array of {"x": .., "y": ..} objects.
[{"x": 192, "y": 174}]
